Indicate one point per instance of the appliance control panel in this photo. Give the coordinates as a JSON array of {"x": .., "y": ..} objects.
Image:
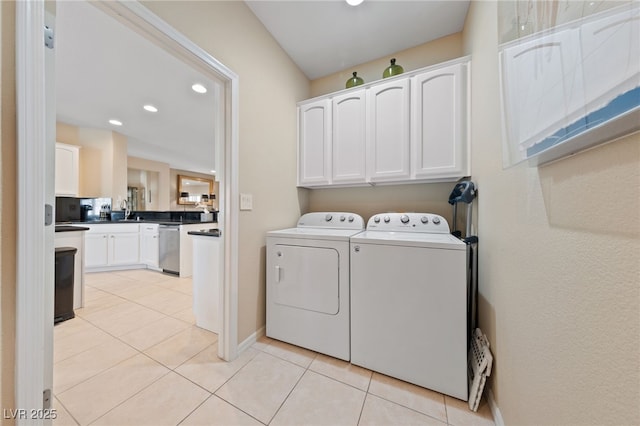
[
  {"x": 408, "y": 222},
  {"x": 334, "y": 220}
]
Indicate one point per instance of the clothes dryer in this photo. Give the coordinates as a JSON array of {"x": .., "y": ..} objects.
[
  {"x": 308, "y": 282},
  {"x": 409, "y": 301}
]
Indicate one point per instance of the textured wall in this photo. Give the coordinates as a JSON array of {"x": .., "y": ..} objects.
[
  {"x": 8, "y": 203},
  {"x": 559, "y": 269}
]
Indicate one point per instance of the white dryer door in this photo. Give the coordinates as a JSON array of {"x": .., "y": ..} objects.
[{"x": 307, "y": 278}]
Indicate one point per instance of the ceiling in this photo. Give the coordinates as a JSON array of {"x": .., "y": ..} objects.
[
  {"x": 106, "y": 71},
  {"x": 327, "y": 36}
]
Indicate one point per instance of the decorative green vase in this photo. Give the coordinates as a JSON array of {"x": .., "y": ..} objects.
[
  {"x": 393, "y": 69},
  {"x": 354, "y": 81}
]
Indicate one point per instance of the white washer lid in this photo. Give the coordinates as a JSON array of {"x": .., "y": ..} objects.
[{"x": 409, "y": 239}]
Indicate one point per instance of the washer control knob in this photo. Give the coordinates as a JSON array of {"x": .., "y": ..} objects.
[
  {"x": 424, "y": 219},
  {"x": 376, "y": 219},
  {"x": 387, "y": 219},
  {"x": 436, "y": 221},
  {"x": 404, "y": 218},
  {"x": 328, "y": 217},
  {"x": 342, "y": 218},
  {"x": 351, "y": 218}
]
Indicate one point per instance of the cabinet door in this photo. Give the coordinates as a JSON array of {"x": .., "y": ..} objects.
[
  {"x": 150, "y": 247},
  {"x": 314, "y": 141},
  {"x": 67, "y": 166},
  {"x": 348, "y": 142},
  {"x": 124, "y": 249},
  {"x": 96, "y": 250},
  {"x": 439, "y": 135},
  {"x": 388, "y": 131},
  {"x": 610, "y": 52},
  {"x": 543, "y": 87}
]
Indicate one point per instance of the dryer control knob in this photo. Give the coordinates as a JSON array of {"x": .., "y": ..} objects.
[
  {"x": 351, "y": 218},
  {"x": 424, "y": 219},
  {"x": 328, "y": 218},
  {"x": 387, "y": 219},
  {"x": 404, "y": 218},
  {"x": 376, "y": 219},
  {"x": 436, "y": 221},
  {"x": 342, "y": 218}
]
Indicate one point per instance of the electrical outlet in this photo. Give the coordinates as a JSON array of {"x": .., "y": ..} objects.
[{"x": 246, "y": 202}]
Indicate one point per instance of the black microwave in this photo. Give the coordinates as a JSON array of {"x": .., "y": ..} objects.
[{"x": 67, "y": 209}]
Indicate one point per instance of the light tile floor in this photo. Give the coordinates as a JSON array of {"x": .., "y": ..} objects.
[{"x": 133, "y": 356}]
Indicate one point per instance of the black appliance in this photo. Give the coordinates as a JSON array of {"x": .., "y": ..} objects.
[
  {"x": 67, "y": 209},
  {"x": 64, "y": 271}
]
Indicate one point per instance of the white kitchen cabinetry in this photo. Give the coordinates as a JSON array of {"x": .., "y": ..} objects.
[
  {"x": 149, "y": 245},
  {"x": 404, "y": 129},
  {"x": 112, "y": 245},
  {"x": 388, "y": 134},
  {"x": 348, "y": 142},
  {"x": 439, "y": 131},
  {"x": 314, "y": 150},
  {"x": 67, "y": 170}
]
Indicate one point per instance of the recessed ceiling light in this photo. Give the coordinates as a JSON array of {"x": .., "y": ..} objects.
[
  {"x": 150, "y": 108},
  {"x": 353, "y": 2},
  {"x": 199, "y": 88},
  {"x": 115, "y": 122}
]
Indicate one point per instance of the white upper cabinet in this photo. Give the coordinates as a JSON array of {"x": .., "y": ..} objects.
[
  {"x": 67, "y": 170},
  {"x": 408, "y": 128},
  {"x": 314, "y": 143},
  {"x": 610, "y": 51},
  {"x": 349, "y": 138},
  {"x": 543, "y": 91},
  {"x": 439, "y": 123},
  {"x": 388, "y": 131}
]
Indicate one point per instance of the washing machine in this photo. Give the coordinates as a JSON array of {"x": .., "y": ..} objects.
[
  {"x": 409, "y": 301},
  {"x": 308, "y": 282}
]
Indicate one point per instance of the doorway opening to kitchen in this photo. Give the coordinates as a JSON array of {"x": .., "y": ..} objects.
[{"x": 32, "y": 254}]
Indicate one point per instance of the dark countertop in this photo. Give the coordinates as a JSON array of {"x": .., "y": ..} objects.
[
  {"x": 70, "y": 228},
  {"x": 206, "y": 232},
  {"x": 160, "y": 222}
]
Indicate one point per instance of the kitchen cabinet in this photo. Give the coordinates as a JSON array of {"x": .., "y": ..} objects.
[
  {"x": 149, "y": 245},
  {"x": 67, "y": 170},
  {"x": 314, "y": 136},
  {"x": 112, "y": 245},
  {"x": 439, "y": 130},
  {"x": 404, "y": 129},
  {"x": 388, "y": 132},
  {"x": 348, "y": 138}
]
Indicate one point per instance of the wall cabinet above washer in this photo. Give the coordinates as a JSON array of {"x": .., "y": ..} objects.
[{"x": 406, "y": 129}]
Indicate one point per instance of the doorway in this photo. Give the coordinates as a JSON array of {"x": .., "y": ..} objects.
[{"x": 35, "y": 145}]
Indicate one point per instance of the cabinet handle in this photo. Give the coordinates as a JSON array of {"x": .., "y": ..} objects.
[{"x": 277, "y": 274}]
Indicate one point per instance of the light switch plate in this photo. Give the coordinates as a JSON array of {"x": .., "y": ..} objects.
[{"x": 246, "y": 202}]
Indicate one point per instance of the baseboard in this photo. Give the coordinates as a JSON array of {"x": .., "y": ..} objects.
[
  {"x": 495, "y": 411},
  {"x": 246, "y": 343}
]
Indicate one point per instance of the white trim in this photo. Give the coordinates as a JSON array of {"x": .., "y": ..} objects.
[
  {"x": 495, "y": 411},
  {"x": 150, "y": 25},
  {"x": 32, "y": 306},
  {"x": 246, "y": 343}
]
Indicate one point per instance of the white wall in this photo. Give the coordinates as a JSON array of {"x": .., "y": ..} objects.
[{"x": 559, "y": 269}]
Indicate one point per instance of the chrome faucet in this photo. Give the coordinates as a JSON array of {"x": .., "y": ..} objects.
[{"x": 124, "y": 205}]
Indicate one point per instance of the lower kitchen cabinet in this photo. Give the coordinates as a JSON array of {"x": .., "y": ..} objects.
[
  {"x": 112, "y": 245},
  {"x": 150, "y": 245}
]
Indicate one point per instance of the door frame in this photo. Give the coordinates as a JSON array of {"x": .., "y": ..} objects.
[{"x": 32, "y": 328}]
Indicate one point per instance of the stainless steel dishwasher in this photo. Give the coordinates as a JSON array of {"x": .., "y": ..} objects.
[{"x": 170, "y": 248}]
